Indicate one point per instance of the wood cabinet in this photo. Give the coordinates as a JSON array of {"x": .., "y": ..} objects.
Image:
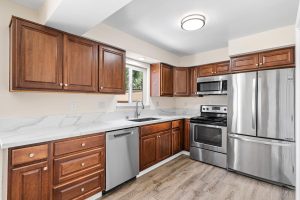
[
  {"x": 181, "y": 81},
  {"x": 214, "y": 69},
  {"x": 46, "y": 59},
  {"x": 186, "y": 144},
  {"x": 30, "y": 182},
  {"x": 161, "y": 80},
  {"x": 80, "y": 72},
  {"x": 36, "y": 56},
  {"x": 155, "y": 144},
  {"x": 278, "y": 58},
  {"x": 193, "y": 81},
  {"x": 177, "y": 136},
  {"x": 111, "y": 70}
]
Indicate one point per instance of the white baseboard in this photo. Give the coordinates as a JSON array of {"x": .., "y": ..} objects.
[
  {"x": 162, "y": 163},
  {"x": 95, "y": 197}
]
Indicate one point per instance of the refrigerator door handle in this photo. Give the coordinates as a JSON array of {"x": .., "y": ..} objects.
[
  {"x": 257, "y": 140},
  {"x": 254, "y": 103}
]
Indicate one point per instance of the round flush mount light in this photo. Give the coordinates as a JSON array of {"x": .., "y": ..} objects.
[{"x": 193, "y": 22}]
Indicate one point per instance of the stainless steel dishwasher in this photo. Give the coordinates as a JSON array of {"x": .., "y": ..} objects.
[{"x": 122, "y": 156}]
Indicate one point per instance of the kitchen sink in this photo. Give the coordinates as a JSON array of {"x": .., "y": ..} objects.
[{"x": 143, "y": 119}]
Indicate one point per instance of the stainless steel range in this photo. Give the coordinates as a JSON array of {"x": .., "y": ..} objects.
[{"x": 209, "y": 136}]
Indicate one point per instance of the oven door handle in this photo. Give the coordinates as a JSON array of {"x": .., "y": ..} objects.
[{"x": 208, "y": 125}]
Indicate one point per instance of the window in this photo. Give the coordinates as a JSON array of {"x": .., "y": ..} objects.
[{"x": 136, "y": 86}]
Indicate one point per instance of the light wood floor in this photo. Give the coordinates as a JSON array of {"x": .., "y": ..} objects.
[{"x": 183, "y": 178}]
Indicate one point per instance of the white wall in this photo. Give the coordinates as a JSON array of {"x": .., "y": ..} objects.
[
  {"x": 204, "y": 57},
  {"x": 280, "y": 37}
]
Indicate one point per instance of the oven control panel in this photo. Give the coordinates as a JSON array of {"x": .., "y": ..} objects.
[{"x": 214, "y": 109}]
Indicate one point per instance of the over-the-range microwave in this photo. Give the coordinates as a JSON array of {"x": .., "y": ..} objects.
[{"x": 214, "y": 85}]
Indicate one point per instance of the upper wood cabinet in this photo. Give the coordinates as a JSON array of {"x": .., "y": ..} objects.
[
  {"x": 80, "y": 64},
  {"x": 111, "y": 70},
  {"x": 36, "y": 56},
  {"x": 44, "y": 58},
  {"x": 161, "y": 79},
  {"x": 181, "y": 81},
  {"x": 193, "y": 81},
  {"x": 278, "y": 58},
  {"x": 214, "y": 69}
]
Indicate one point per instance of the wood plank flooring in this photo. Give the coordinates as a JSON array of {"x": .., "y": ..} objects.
[{"x": 185, "y": 179}]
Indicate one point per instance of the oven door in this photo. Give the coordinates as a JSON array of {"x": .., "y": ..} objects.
[{"x": 209, "y": 137}]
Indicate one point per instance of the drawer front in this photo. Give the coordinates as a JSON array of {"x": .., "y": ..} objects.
[
  {"x": 154, "y": 128},
  {"x": 29, "y": 154},
  {"x": 177, "y": 124},
  {"x": 81, "y": 189},
  {"x": 77, "y": 165},
  {"x": 78, "y": 144}
]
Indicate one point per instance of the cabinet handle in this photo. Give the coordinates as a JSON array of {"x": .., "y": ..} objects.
[
  {"x": 66, "y": 84},
  {"x": 82, "y": 189},
  {"x": 256, "y": 64},
  {"x": 82, "y": 164},
  {"x": 101, "y": 88},
  {"x": 61, "y": 84},
  {"x": 45, "y": 168},
  {"x": 83, "y": 144},
  {"x": 31, "y": 155}
]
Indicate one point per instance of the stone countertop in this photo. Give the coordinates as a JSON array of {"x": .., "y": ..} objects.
[{"x": 37, "y": 133}]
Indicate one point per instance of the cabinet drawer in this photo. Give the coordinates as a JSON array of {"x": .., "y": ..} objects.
[
  {"x": 29, "y": 154},
  {"x": 81, "y": 189},
  {"x": 77, "y": 165},
  {"x": 78, "y": 144},
  {"x": 177, "y": 124},
  {"x": 154, "y": 128}
]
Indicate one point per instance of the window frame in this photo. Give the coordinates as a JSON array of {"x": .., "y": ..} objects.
[{"x": 142, "y": 67}]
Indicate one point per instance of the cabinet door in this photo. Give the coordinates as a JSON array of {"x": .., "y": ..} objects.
[
  {"x": 244, "y": 63},
  {"x": 36, "y": 56},
  {"x": 164, "y": 148},
  {"x": 222, "y": 68},
  {"x": 181, "y": 81},
  {"x": 277, "y": 58},
  {"x": 206, "y": 70},
  {"x": 30, "y": 182},
  {"x": 176, "y": 140},
  {"x": 111, "y": 70},
  {"x": 193, "y": 81},
  {"x": 80, "y": 64},
  {"x": 186, "y": 144},
  {"x": 166, "y": 80},
  {"x": 148, "y": 151}
]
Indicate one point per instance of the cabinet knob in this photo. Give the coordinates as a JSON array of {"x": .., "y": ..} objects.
[
  {"x": 260, "y": 63},
  {"x": 66, "y": 84},
  {"x": 61, "y": 84},
  {"x": 256, "y": 64},
  {"x": 82, "y": 189},
  {"x": 83, "y": 144},
  {"x": 31, "y": 155},
  {"x": 82, "y": 164},
  {"x": 101, "y": 87},
  {"x": 45, "y": 168}
]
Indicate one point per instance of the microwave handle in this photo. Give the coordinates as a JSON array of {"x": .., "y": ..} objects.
[{"x": 221, "y": 82}]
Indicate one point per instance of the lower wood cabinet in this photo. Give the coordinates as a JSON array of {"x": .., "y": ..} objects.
[
  {"x": 30, "y": 182},
  {"x": 186, "y": 143},
  {"x": 148, "y": 151},
  {"x": 164, "y": 148},
  {"x": 177, "y": 136}
]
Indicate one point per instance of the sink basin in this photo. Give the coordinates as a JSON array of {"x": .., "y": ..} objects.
[{"x": 143, "y": 119}]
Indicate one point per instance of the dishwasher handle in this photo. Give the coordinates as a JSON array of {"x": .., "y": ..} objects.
[{"x": 123, "y": 134}]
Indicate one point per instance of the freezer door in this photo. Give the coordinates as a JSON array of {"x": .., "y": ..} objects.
[
  {"x": 242, "y": 103},
  {"x": 275, "y": 114},
  {"x": 272, "y": 160}
]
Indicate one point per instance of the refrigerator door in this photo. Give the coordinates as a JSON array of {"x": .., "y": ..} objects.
[
  {"x": 242, "y": 103},
  {"x": 275, "y": 102},
  {"x": 272, "y": 160}
]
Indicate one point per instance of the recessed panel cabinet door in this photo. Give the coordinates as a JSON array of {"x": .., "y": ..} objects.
[
  {"x": 80, "y": 64},
  {"x": 166, "y": 80},
  {"x": 111, "y": 70},
  {"x": 164, "y": 148},
  {"x": 30, "y": 182},
  {"x": 148, "y": 151},
  {"x": 181, "y": 81},
  {"x": 176, "y": 140},
  {"x": 36, "y": 56}
]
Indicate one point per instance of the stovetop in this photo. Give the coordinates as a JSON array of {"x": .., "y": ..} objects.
[{"x": 210, "y": 120}]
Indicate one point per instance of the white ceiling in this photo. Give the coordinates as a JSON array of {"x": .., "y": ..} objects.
[
  {"x": 158, "y": 21},
  {"x": 34, "y": 4}
]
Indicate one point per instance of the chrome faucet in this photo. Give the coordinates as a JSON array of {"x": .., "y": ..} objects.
[{"x": 137, "y": 112}]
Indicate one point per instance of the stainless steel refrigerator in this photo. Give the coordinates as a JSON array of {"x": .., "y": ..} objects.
[{"x": 261, "y": 125}]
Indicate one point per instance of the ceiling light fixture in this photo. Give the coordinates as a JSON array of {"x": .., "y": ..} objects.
[
  {"x": 193, "y": 22},
  {"x": 141, "y": 58}
]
